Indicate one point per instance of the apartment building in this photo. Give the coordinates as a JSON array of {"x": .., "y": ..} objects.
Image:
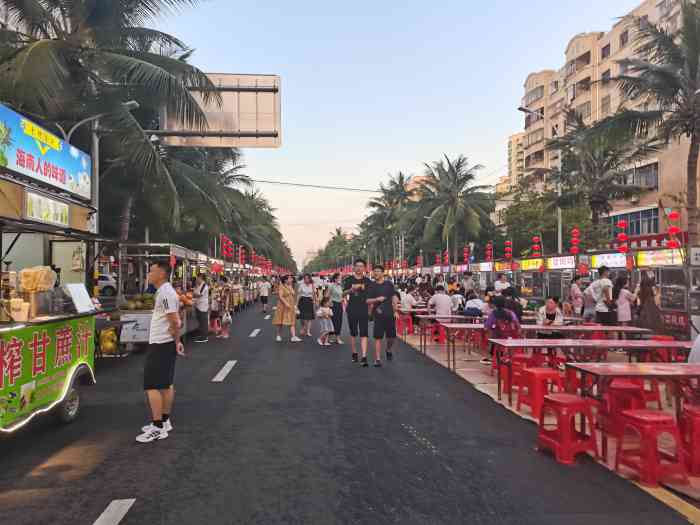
[
  {"x": 584, "y": 84},
  {"x": 505, "y": 184}
]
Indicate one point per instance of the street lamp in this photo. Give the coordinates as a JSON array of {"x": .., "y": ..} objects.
[{"x": 560, "y": 233}]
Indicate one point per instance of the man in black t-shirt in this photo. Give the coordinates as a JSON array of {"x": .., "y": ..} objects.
[
  {"x": 355, "y": 289},
  {"x": 384, "y": 302}
]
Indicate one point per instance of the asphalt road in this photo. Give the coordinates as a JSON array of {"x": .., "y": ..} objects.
[{"x": 297, "y": 434}]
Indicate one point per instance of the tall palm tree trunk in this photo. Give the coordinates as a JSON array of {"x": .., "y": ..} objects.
[
  {"x": 125, "y": 219},
  {"x": 692, "y": 181}
]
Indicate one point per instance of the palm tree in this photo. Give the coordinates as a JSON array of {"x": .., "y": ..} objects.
[
  {"x": 595, "y": 162},
  {"x": 455, "y": 208},
  {"x": 665, "y": 73}
]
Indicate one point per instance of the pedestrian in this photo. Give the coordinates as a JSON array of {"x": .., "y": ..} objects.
[
  {"x": 355, "y": 288},
  {"x": 649, "y": 300},
  {"x": 383, "y": 300},
  {"x": 335, "y": 290},
  {"x": 164, "y": 346},
  {"x": 624, "y": 299},
  {"x": 501, "y": 283},
  {"x": 286, "y": 315},
  {"x": 306, "y": 294},
  {"x": 201, "y": 308},
  {"x": 324, "y": 314},
  {"x": 226, "y": 306},
  {"x": 264, "y": 288},
  {"x": 576, "y": 296},
  {"x": 501, "y": 324},
  {"x": 605, "y": 307}
]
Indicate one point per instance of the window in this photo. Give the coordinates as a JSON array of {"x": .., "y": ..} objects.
[
  {"x": 605, "y": 106},
  {"x": 623, "y": 68},
  {"x": 605, "y": 52},
  {"x": 533, "y": 95},
  {"x": 644, "y": 222},
  {"x": 605, "y": 77},
  {"x": 646, "y": 176},
  {"x": 554, "y": 86},
  {"x": 584, "y": 110},
  {"x": 643, "y": 22},
  {"x": 624, "y": 39},
  {"x": 535, "y": 137}
]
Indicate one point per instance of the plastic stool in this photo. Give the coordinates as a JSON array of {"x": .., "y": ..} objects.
[
  {"x": 651, "y": 463},
  {"x": 536, "y": 381},
  {"x": 511, "y": 376},
  {"x": 689, "y": 425},
  {"x": 564, "y": 440}
]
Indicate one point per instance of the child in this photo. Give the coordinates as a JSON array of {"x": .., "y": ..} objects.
[{"x": 324, "y": 315}]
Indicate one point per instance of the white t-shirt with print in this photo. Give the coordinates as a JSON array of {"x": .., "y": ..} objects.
[
  {"x": 442, "y": 304},
  {"x": 264, "y": 288},
  {"x": 598, "y": 290},
  {"x": 201, "y": 303},
  {"x": 166, "y": 302}
]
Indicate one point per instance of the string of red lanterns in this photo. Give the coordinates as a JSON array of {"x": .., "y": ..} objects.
[
  {"x": 536, "y": 246},
  {"x": 508, "y": 250},
  {"x": 575, "y": 241},
  {"x": 674, "y": 230},
  {"x": 622, "y": 237}
]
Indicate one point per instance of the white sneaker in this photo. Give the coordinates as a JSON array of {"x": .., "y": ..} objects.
[
  {"x": 278, "y": 338},
  {"x": 295, "y": 339},
  {"x": 327, "y": 344},
  {"x": 167, "y": 426},
  {"x": 339, "y": 341},
  {"x": 152, "y": 434},
  {"x": 320, "y": 342}
]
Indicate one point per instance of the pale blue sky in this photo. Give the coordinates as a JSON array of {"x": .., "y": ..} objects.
[{"x": 371, "y": 88}]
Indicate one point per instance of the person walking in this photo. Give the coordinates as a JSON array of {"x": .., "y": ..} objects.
[
  {"x": 384, "y": 301},
  {"x": 264, "y": 288},
  {"x": 201, "y": 308},
  {"x": 335, "y": 290},
  {"x": 226, "y": 307},
  {"x": 602, "y": 293},
  {"x": 325, "y": 316},
  {"x": 286, "y": 313},
  {"x": 355, "y": 288},
  {"x": 164, "y": 346},
  {"x": 306, "y": 294},
  {"x": 649, "y": 301},
  {"x": 624, "y": 299}
]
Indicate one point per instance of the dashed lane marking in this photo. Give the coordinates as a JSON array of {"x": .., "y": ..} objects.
[
  {"x": 219, "y": 378},
  {"x": 255, "y": 332},
  {"x": 115, "y": 512}
]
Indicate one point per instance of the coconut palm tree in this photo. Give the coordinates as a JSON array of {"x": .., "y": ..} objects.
[
  {"x": 665, "y": 73},
  {"x": 455, "y": 207}
]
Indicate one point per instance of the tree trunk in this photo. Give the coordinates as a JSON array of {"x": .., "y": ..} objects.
[
  {"x": 125, "y": 219},
  {"x": 692, "y": 182}
]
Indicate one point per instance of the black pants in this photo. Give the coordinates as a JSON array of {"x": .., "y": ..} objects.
[
  {"x": 203, "y": 321},
  {"x": 337, "y": 318}
]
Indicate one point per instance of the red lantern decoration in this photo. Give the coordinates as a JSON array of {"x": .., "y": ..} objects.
[
  {"x": 673, "y": 244},
  {"x": 674, "y": 216},
  {"x": 622, "y": 237},
  {"x": 674, "y": 230},
  {"x": 622, "y": 225},
  {"x": 508, "y": 243},
  {"x": 535, "y": 240},
  {"x": 575, "y": 241},
  {"x": 575, "y": 232},
  {"x": 623, "y": 248},
  {"x": 575, "y": 250}
]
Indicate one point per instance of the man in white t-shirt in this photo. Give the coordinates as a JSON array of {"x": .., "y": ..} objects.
[
  {"x": 201, "y": 308},
  {"x": 602, "y": 289},
  {"x": 501, "y": 283},
  {"x": 264, "y": 288},
  {"x": 441, "y": 303},
  {"x": 408, "y": 301},
  {"x": 163, "y": 348}
]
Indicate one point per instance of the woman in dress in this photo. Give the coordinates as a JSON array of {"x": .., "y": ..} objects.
[
  {"x": 336, "y": 296},
  {"x": 649, "y": 299},
  {"x": 286, "y": 313},
  {"x": 306, "y": 294}
]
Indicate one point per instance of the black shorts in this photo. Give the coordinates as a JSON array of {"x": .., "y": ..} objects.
[
  {"x": 384, "y": 327},
  {"x": 358, "y": 323},
  {"x": 159, "y": 369},
  {"x": 263, "y": 299},
  {"x": 606, "y": 318}
]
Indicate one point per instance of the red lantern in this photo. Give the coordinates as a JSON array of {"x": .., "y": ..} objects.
[
  {"x": 622, "y": 237},
  {"x": 575, "y": 250},
  {"x": 673, "y": 244},
  {"x": 575, "y": 232},
  {"x": 674, "y": 230},
  {"x": 623, "y": 248},
  {"x": 622, "y": 225},
  {"x": 575, "y": 241},
  {"x": 674, "y": 216},
  {"x": 508, "y": 243},
  {"x": 535, "y": 240}
]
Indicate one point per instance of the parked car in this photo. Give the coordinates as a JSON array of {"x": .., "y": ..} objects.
[{"x": 107, "y": 285}]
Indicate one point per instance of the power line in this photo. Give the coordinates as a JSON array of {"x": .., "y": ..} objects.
[{"x": 315, "y": 186}]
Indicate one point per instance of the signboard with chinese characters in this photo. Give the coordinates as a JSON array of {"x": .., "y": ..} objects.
[
  {"x": 482, "y": 267},
  {"x": 561, "y": 263},
  {"x": 43, "y": 209},
  {"x": 531, "y": 264},
  {"x": 611, "y": 260},
  {"x": 28, "y": 149},
  {"x": 37, "y": 365},
  {"x": 503, "y": 266},
  {"x": 660, "y": 258}
]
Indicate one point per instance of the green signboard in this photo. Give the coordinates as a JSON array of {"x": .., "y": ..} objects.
[{"x": 37, "y": 364}]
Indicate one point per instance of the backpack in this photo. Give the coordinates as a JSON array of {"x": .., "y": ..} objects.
[{"x": 505, "y": 329}]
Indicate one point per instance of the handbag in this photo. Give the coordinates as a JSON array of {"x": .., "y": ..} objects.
[{"x": 226, "y": 319}]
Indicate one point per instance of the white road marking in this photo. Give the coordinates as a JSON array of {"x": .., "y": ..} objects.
[
  {"x": 267, "y": 317},
  {"x": 218, "y": 378},
  {"x": 255, "y": 332},
  {"x": 115, "y": 512}
]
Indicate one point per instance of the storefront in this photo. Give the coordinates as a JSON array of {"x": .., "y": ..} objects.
[
  {"x": 483, "y": 274},
  {"x": 560, "y": 274},
  {"x": 532, "y": 279}
]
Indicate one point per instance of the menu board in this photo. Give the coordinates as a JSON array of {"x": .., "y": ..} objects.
[
  {"x": 660, "y": 258},
  {"x": 81, "y": 299},
  {"x": 531, "y": 264},
  {"x": 611, "y": 260},
  {"x": 561, "y": 263}
]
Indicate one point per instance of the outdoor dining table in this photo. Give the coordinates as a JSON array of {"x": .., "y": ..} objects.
[
  {"x": 602, "y": 374},
  {"x": 425, "y": 320},
  {"x": 573, "y": 348}
]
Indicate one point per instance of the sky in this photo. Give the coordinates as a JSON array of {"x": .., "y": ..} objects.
[{"x": 373, "y": 88}]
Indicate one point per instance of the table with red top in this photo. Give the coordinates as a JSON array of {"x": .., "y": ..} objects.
[
  {"x": 596, "y": 377},
  {"x": 426, "y": 320},
  {"x": 574, "y": 349}
]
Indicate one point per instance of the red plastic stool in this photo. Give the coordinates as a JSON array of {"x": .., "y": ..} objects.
[
  {"x": 536, "y": 382},
  {"x": 405, "y": 321},
  {"x": 689, "y": 425},
  {"x": 564, "y": 440},
  {"x": 651, "y": 463},
  {"x": 441, "y": 333},
  {"x": 511, "y": 376}
]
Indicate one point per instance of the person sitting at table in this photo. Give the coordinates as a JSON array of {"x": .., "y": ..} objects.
[
  {"x": 550, "y": 315},
  {"x": 408, "y": 299},
  {"x": 512, "y": 304},
  {"x": 474, "y": 306},
  {"x": 501, "y": 323},
  {"x": 457, "y": 300},
  {"x": 440, "y": 304}
]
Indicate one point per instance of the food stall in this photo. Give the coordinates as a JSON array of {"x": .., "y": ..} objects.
[
  {"x": 560, "y": 273},
  {"x": 532, "y": 279},
  {"x": 47, "y": 318},
  {"x": 616, "y": 262},
  {"x": 483, "y": 274}
]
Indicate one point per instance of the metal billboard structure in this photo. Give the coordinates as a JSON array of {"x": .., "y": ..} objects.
[{"x": 249, "y": 117}]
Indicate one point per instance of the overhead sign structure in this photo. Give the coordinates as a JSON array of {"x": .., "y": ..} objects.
[
  {"x": 249, "y": 116},
  {"x": 28, "y": 149}
]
